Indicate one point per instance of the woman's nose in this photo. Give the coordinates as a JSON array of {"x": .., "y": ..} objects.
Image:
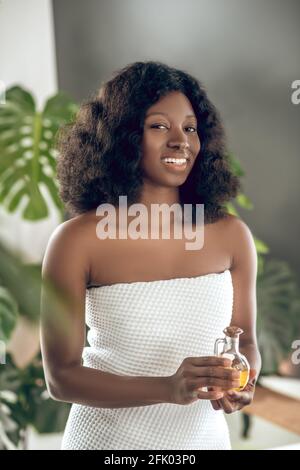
[{"x": 179, "y": 144}]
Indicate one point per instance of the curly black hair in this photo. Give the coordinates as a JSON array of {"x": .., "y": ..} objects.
[{"x": 100, "y": 152}]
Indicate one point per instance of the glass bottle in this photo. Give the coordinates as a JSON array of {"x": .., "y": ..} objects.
[{"x": 230, "y": 349}]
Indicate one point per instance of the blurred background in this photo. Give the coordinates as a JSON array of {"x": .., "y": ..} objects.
[{"x": 54, "y": 54}]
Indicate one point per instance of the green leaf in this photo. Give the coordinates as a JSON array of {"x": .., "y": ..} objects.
[
  {"x": 14, "y": 274},
  {"x": 15, "y": 200},
  {"x": 243, "y": 201},
  {"x": 36, "y": 207},
  {"x": 60, "y": 107},
  {"x": 278, "y": 315},
  {"x": 27, "y": 142},
  {"x": 52, "y": 188},
  {"x": 9, "y": 179},
  {"x": 51, "y": 416},
  {"x": 21, "y": 97},
  {"x": 9, "y": 160},
  {"x": 235, "y": 165},
  {"x": 31, "y": 405},
  {"x": 231, "y": 209},
  {"x": 261, "y": 247},
  {"x": 8, "y": 313}
]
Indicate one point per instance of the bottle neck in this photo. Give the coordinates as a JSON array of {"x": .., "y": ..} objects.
[{"x": 232, "y": 344}]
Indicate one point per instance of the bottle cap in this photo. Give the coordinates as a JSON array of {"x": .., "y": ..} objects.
[{"x": 233, "y": 331}]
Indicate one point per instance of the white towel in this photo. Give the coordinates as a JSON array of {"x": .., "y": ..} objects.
[{"x": 147, "y": 328}]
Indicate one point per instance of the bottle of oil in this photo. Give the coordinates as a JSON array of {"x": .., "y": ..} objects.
[{"x": 230, "y": 349}]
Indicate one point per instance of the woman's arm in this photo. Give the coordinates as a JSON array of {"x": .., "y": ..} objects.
[
  {"x": 244, "y": 273},
  {"x": 66, "y": 270}
]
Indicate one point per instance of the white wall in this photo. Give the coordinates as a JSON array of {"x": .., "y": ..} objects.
[
  {"x": 27, "y": 52},
  {"x": 27, "y": 45}
]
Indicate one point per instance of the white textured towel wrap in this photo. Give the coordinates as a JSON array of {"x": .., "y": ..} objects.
[{"x": 147, "y": 328}]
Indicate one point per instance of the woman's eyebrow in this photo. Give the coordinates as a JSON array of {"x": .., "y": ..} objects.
[{"x": 166, "y": 114}]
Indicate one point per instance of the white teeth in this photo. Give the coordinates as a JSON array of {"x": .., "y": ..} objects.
[{"x": 178, "y": 161}]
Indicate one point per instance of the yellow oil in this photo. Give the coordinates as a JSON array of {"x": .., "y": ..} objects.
[{"x": 244, "y": 375}]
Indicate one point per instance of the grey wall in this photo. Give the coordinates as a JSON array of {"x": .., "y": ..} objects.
[{"x": 247, "y": 53}]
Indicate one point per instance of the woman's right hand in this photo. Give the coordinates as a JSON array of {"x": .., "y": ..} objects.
[{"x": 197, "y": 372}]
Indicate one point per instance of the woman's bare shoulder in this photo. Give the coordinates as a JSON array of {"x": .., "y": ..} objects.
[
  {"x": 239, "y": 238},
  {"x": 235, "y": 226},
  {"x": 75, "y": 230},
  {"x": 69, "y": 243},
  {"x": 230, "y": 221}
]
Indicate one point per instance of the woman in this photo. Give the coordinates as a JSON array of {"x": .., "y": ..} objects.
[{"x": 153, "y": 308}]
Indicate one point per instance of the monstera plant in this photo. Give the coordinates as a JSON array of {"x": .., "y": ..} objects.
[
  {"x": 27, "y": 172},
  {"x": 24, "y": 400},
  {"x": 27, "y": 153}
]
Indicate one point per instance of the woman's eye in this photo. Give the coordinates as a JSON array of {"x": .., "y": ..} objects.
[
  {"x": 158, "y": 125},
  {"x": 162, "y": 125}
]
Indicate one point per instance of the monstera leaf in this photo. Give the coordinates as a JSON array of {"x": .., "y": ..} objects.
[
  {"x": 19, "y": 284},
  {"x": 27, "y": 153},
  {"x": 8, "y": 313}
]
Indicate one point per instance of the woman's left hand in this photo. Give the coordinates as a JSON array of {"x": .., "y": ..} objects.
[{"x": 235, "y": 401}]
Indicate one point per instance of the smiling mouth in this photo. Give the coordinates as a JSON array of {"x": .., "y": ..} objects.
[{"x": 175, "y": 163}]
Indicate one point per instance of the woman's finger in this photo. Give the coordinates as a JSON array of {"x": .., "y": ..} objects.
[
  {"x": 212, "y": 395},
  {"x": 244, "y": 398},
  {"x": 215, "y": 404},
  {"x": 226, "y": 405}
]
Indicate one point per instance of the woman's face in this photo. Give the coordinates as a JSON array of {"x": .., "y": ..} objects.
[{"x": 170, "y": 130}]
